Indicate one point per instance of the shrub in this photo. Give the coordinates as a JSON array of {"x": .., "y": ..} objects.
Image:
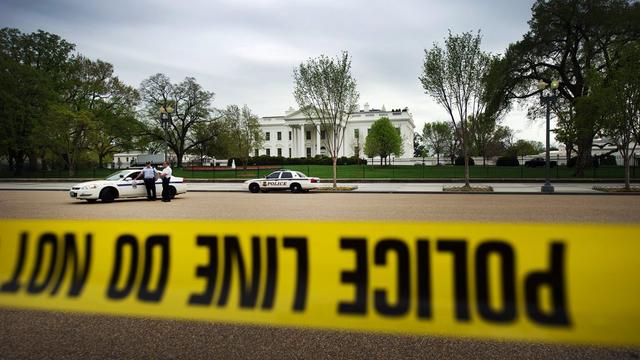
[
  {"x": 316, "y": 160},
  {"x": 507, "y": 161},
  {"x": 573, "y": 160},
  {"x": 460, "y": 161},
  {"x": 607, "y": 160}
]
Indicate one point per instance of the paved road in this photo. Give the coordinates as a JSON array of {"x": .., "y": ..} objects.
[
  {"x": 36, "y": 334},
  {"x": 529, "y": 188},
  {"x": 332, "y": 206}
]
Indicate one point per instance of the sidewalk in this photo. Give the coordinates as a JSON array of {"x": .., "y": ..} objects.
[{"x": 362, "y": 187}]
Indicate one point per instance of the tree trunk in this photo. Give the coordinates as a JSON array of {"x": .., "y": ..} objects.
[
  {"x": 627, "y": 173},
  {"x": 334, "y": 159},
  {"x": 11, "y": 162},
  {"x": 584, "y": 160},
  {"x": 179, "y": 156},
  {"x": 100, "y": 161},
  {"x": 465, "y": 151},
  {"x": 437, "y": 159},
  {"x": 71, "y": 165},
  {"x": 19, "y": 162},
  {"x": 33, "y": 162}
]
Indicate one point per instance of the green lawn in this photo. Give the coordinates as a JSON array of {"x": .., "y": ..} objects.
[
  {"x": 366, "y": 172},
  {"x": 411, "y": 172}
]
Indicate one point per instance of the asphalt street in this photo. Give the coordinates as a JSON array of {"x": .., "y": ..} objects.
[
  {"x": 332, "y": 206},
  {"x": 38, "y": 334},
  {"x": 361, "y": 187}
]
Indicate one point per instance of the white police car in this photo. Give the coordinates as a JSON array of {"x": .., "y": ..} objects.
[
  {"x": 121, "y": 185},
  {"x": 283, "y": 180}
]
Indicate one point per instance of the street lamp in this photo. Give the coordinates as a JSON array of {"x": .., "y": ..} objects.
[
  {"x": 548, "y": 100},
  {"x": 165, "y": 120}
]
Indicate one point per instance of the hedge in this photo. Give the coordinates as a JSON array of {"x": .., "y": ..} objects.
[
  {"x": 507, "y": 161},
  {"x": 316, "y": 160},
  {"x": 460, "y": 161}
]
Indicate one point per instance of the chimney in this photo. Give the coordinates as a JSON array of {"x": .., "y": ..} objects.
[{"x": 366, "y": 107}]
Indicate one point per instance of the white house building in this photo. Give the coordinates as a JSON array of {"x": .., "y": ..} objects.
[{"x": 294, "y": 135}]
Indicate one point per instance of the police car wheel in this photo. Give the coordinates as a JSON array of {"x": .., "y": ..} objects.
[
  {"x": 295, "y": 188},
  {"x": 172, "y": 192},
  {"x": 107, "y": 195},
  {"x": 254, "y": 188}
]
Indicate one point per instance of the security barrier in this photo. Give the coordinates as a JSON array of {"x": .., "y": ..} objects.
[{"x": 572, "y": 283}]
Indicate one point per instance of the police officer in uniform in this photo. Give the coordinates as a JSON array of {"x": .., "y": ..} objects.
[
  {"x": 149, "y": 173},
  {"x": 166, "y": 177}
]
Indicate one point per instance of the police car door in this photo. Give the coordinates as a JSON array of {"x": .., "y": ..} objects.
[
  {"x": 125, "y": 187},
  {"x": 271, "y": 181},
  {"x": 285, "y": 180}
]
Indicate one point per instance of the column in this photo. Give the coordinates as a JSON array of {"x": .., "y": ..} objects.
[
  {"x": 303, "y": 149},
  {"x": 292, "y": 142},
  {"x": 318, "y": 143}
]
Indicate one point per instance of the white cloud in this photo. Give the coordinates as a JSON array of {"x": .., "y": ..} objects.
[{"x": 245, "y": 51}]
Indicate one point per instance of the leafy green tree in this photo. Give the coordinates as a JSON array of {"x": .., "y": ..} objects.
[
  {"x": 487, "y": 137},
  {"x": 618, "y": 100},
  {"x": 244, "y": 131},
  {"x": 214, "y": 139},
  {"x": 115, "y": 125},
  {"x": 525, "y": 147},
  {"x": 437, "y": 137},
  {"x": 568, "y": 39},
  {"x": 70, "y": 129},
  {"x": 419, "y": 149},
  {"x": 186, "y": 104},
  {"x": 326, "y": 92},
  {"x": 453, "y": 77},
  {"x": 383, "y": 140},
  {"x": 32, "y": 69},
  {"x": 68, "y": 132}
]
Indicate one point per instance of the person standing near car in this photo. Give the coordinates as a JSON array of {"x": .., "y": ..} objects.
[
  {"x": 166, "y": 177},
  {"x": 149, "y": 174}
]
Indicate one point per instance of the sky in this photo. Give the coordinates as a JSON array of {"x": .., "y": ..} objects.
[{"x": 245, "y": 50}]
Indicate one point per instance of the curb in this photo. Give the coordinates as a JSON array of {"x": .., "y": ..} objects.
[
  {"x": 375, "y": 180},
  {"x": 573, "y": 193}
]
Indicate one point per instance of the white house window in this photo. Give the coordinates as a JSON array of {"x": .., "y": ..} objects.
[
  {"x": 268, "y": 151},
  {"x": 267, "y": 136},
  {"x": 279, "y": 151},
  {"x": 279, "y": 135}
]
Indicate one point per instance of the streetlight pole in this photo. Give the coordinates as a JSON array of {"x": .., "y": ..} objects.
[
  {"x": 548, "y": 100},
  {"x": 165, "y": 119}
]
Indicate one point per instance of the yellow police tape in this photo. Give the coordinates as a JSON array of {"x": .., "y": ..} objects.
[{"x": 535, "y": 282}]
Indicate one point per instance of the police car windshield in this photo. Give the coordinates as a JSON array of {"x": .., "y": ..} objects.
[
  {"x": 301, "y": 174},
  {"x": 117, "y": 175}
]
